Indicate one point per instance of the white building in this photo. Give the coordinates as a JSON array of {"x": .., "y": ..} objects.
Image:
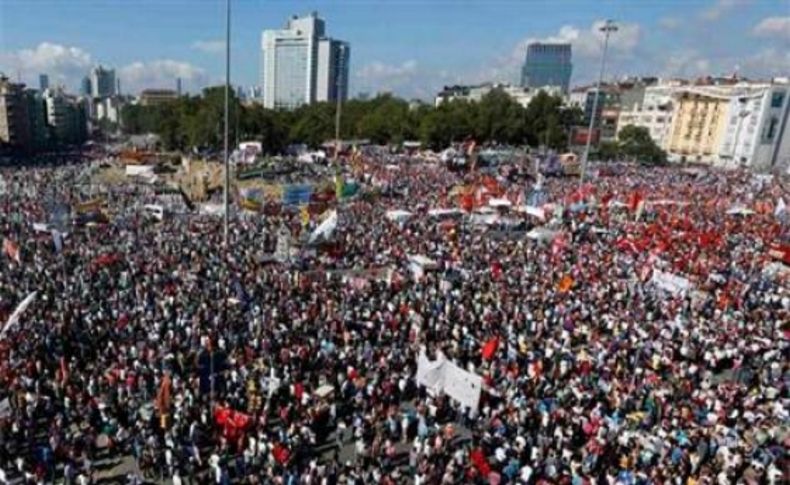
[
  {"x": 294, "y": 72},
  {"x": 521, "y": 95},
  {"x": 757, "y": 119},
  {"x": 102, "y": 82},
  {"x": 109, "y": 109},
  {"x": 654, "y": 113}
]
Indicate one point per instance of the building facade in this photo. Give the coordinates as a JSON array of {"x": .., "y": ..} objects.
[
  {"x": 102, "y": 82},
  {"x": 654, "y": 113},
  {"x": 14, "y": 117},
  {"x": 43, "y": 82},
  {"x": 66, "y": 116},
  {"x": 150, "y": 97},
  {"x": 519, "y": 94},
  {"x": 300, "y": 65},
  {"x": 547, "y": 64},
  {"x": 756, "y": 123},
  {"x": 332, "y": 73}
]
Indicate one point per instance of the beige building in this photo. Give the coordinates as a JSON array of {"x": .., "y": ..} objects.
[{"x": 698, "y": 124}]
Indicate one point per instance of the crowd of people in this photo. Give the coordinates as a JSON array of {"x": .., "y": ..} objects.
[{"x": 148, "y": 349}]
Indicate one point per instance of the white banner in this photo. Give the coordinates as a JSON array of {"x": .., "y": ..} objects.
[
  {"x": 443, "y": 376},
  {"x": 670, "y": 282},
  {"x": 325, "y": 229},
  {"x": 14, "y": 318}
]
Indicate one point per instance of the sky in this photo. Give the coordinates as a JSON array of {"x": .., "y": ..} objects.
[{"x": 409, "y": 47}]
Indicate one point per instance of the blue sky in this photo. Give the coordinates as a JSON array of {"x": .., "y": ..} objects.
[{"x": 410, "y": 47}]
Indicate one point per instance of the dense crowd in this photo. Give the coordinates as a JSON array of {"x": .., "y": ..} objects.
[{"x": 151, "y": 348}]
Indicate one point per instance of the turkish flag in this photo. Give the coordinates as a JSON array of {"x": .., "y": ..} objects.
[{"x": 490, "y": 348}]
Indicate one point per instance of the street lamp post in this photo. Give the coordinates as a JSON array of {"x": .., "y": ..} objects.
[
  {"x": 227, "y": 104},
  {"x": 339, "y": 96},
  {"x": 607, "y": 28}
]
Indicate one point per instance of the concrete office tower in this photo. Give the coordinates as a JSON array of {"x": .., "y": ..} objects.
[
  {"x": 43, "y": 82},
  {"x": 547, "y": 64},
  {"x": 102, "y": 82},
  {"x": 332, "y": 75},
  {"x": 292, "y": 59}
]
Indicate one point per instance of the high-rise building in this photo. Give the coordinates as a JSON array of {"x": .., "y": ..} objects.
[
  {"x": 547, "y": 64},
  {"x": 14, "y": 118},
  {"x": 102, "y": 82},
  {"x": 300, "y": 65},
  {"x": 43, "y": 82},
  {"x": 85, "y": 86},
  {"x": 67, "y": 117},
  {"x": 332, "y": 75}
]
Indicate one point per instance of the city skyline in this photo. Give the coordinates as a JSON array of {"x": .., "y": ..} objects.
[{"x": 409, "y": 48}]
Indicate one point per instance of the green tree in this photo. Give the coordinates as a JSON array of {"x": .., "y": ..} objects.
[{"x": 635, "y": 142}]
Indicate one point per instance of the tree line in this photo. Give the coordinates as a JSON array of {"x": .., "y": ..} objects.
[{"x": 198, "y": 121}]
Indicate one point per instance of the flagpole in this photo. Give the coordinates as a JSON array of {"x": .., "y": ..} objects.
[{"x": 227, "y": 103}]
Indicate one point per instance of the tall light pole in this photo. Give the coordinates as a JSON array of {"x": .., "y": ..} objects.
[
  {"x": 339, "y": 95},
  {"x": 227, "y": 121},
  {"x": 607, "y": 28}
]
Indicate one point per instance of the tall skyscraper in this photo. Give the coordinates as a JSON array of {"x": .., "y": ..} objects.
[
  {"x": 85, "y": 86},
  {"x": 102, "y": 82},
  {"x": 547, "y": 64},
  {"x": 301, "y": 65},
  {"x": 43, "y": 82},
  {"x": 332, "y": 74}
]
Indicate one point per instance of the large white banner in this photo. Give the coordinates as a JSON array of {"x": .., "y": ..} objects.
[
  {"x": 441, "y": 375},
  {"x": 325, "y": 229},
  {"x": 14, "y": 318},
  {"x": 670, "y": 282}
]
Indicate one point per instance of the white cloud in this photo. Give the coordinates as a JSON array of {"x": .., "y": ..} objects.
[
  {"x": 773, "y": 27},
  {"x": 685, "y": 63},
  {"x": 64, "y": 65},
  {"x": 586, "y": 44},
  {"x": 767, "y": 63},
  {"x": 669, "y": 23},
  {"x": 376, "y": 71},
  {"x": 161, "y": 74},
  {"x": 719, "y": 8},
  {"x": 209, "y": 46}
]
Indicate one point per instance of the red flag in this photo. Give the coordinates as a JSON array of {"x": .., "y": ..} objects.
[
  {"x": 490, "y": 348},
  {"x": 478, "y": 458},
  {"x": 280, "y": 453},
  {"x": 634, "y": 200},
  {"x": 496, "y": 270},
  {"x": 467, "y": 202},
  {"x": 163, "y": 396},
  {"x": 64, "y": 370},
  {"x": 11, "y": 249}
]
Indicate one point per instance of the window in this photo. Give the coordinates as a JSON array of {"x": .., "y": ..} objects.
[
  {"x": 770, "y": 131},
  {"x": 777, "y": 99}
]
